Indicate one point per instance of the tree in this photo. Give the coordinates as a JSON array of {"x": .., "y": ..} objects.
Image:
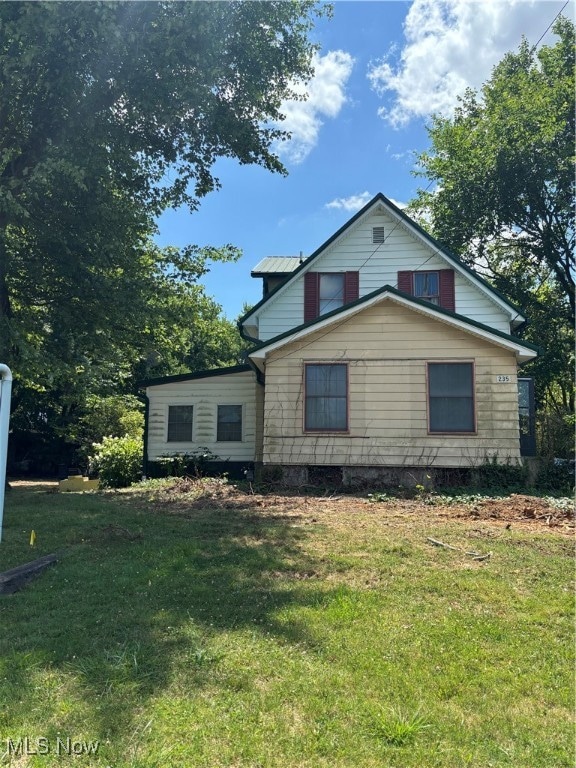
[
  {"x": 109, "y": 112},
  {"x": 504, "y": 164},
  {"x": 504, "y": 198},
  {"x": 149, "y": 319},
  {"x": 135, "y": 100}
]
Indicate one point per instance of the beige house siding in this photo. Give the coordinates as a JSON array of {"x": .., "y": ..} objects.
[
  {"x": 378, "y": 265},
  {"x": 205, "y": 395},
  {"x": 259, "y": 426},
  {"x": 386, "y": 348}
]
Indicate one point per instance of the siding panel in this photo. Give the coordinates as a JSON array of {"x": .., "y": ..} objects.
[
  {"x": 386, "y": 348},
  {"x": 205, "y": 395},
  {"x": 378, "y": 265}
]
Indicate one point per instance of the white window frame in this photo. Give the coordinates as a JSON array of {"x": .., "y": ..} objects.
[
  {"x": 433, "y": 299},
  {"x": 342, "y": 276}
]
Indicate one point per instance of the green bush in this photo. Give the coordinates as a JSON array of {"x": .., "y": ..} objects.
[
  {"x": 494, "y": 475},
  {"x": 117, "y": 461},
  {"x": 110, "y": 416},
  {"x": 194, "y": 464},
  {"x": 556, "y": 478}
]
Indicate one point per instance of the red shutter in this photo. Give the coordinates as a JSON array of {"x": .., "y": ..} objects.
[
  {"x": 351, "y": 286},
  {"x": 447, "y": 300},
  {"x": 311, "y": 298},
  {"x": 405, "y": 282}
]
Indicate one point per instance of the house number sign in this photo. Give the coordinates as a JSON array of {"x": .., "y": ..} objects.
[{"x": 503, "y": 379}]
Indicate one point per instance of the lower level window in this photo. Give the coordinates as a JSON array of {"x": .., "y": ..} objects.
[
  {"x": 326, "y": 397},
  {"x": 180, "y": 423},
  {"x": 451, "y": 397},
  {"x": 229, "y": 429}
]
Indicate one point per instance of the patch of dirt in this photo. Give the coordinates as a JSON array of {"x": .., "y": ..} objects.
[
  {"x": 188, "y": 496},
  {"x": 529, "y": 511},
  {"x": 518, "y": 511}
]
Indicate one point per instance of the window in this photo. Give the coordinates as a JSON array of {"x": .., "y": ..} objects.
[
  {"x": 427, "y": 286},
  {"x": 437, "y": 287},
  {"x": 326, "y": 291},
  {"x": 180, "y": 423},
  {"x": 326, "y": 397},
  {"x": 229, "y": 428},
  {"x": 451, "y": 397},
  {"x": 330, "y": 292}
]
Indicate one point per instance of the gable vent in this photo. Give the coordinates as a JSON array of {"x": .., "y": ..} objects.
[{"x": 377, "y": 235}]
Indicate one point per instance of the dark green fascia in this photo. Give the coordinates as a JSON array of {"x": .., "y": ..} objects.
[
  {"x": 383, "y": 199},
  {"x": 245, "y": 336},
  {"x": 198, "y": 375},
  {"x": 260, "y": 378},
  {"x": 456, "y": 259},
  {"x": 410, "y": 299},
  {"x": 310, "y": 258}
]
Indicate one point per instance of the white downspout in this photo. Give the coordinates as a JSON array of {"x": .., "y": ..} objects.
[{"x": 5, "y": 396}]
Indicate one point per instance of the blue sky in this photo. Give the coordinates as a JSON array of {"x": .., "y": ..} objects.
[{"x": 382, "y": 69}]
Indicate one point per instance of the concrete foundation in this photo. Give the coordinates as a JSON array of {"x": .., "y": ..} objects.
[{"x": 407, "y": 477}]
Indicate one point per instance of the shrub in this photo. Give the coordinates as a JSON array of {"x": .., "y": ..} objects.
[
  {"x": 493, "y": 475},
  {"x": 556, "y": 477},
  {"x": 117, "y": 461},
  {"x": 110, "y": 416},
  {"x": 194, "y": 464}
]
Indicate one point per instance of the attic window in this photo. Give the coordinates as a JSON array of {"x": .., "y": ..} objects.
[{"x": 377, "y": 235}]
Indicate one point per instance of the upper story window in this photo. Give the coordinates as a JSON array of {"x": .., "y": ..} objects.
[
  {"x": 437, "y": 286},
  {"x": 427, "y": 286},
  {"x": 331, "y": 292},
  {"x": 327, "y": 291}
]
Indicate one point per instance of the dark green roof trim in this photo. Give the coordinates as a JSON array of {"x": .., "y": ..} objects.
[
  {"x": 452, "y": 256},
  {"x": 433, "y": 242},
  {"x": 198, "y": 375},
  {"x": 412, "y": 300}
]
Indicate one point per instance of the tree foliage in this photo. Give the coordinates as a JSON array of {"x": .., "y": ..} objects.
[
  {"x": 504, "y": 198},
  {"x": 505, "y": 165},
  {"x": 109, "y": 112}
]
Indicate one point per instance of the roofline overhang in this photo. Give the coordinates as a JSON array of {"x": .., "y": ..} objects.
[
  {"x": 524, "y": 351},
  {"x": 228, "y": 371}
]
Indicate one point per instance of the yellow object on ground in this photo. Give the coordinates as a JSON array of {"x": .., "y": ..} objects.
[{"x": 78, "y": 483}]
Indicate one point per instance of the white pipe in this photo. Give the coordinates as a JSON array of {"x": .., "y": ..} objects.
[{"x": 5, "y": 396}]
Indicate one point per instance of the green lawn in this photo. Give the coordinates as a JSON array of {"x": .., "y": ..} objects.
[{"x": 226, "y": 630}]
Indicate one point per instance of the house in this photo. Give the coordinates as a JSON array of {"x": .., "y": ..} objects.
[{"x": 381, "y": 352}]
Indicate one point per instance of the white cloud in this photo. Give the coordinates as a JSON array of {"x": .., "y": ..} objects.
[
  {"x": 352, "y": 203},
  {"x": 326, "y": 97},
  {"x": 355, "y": 202},
  {"x": 450, "y": 45}
]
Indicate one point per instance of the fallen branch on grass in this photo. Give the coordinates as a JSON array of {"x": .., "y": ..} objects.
[{"x": 473, "y": 555}]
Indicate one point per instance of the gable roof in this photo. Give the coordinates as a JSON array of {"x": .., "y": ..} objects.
[
  {"x": 523, "y": 349},
  {"x": 417, "y": 230}
]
